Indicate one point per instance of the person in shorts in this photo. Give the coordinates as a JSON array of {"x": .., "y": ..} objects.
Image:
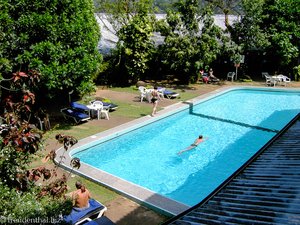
[{"x": 154, "y": 100}]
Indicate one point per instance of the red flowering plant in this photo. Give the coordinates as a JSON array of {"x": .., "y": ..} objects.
[
  {"x": 20, "y": 99},
  {"x": 20, "y": 140}
]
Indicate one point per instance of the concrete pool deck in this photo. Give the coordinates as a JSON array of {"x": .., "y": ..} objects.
[{"x": 130, "y": 190}]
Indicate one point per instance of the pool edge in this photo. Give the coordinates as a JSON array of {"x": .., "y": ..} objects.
[{"x": 141, "y": 195}]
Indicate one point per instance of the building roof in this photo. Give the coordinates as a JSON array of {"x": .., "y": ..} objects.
[{"x": 266, "y": 190}]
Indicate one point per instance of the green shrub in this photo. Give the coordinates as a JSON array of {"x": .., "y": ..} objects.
[
  {"x": 17, "y": 207},
  {"x": 296, "y": 72}
]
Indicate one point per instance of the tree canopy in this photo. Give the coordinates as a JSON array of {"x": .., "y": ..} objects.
[
  {"x": 281, "y": 21},
  {"x": 50, "y": 47},
  {"x": 187, "y": 47},
  {"x": 58, "y": 38},
  {"x": 266, "y": 31}
]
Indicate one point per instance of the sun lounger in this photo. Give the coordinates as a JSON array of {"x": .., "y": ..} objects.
[
  {"x": 167, "y": 93},
  {"x": 170, "y": 94},
  {"x": 75, "y": 115},
  {"x": 80, "y": 107},
  {"x": 103, "y": 220},
  {"x": 110, "y": 106},
  {"x": 95, "y": 210}
]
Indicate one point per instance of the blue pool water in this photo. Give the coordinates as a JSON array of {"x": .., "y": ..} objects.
[{"x": 237, "y": 124}]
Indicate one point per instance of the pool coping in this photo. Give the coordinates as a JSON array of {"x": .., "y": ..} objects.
[{"x": 135, "y": 192}]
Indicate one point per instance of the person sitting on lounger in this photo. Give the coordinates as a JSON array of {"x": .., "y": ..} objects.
[
  {"x": 194, "y": 145},
  {"x": 212, "y": 77},
  {"x": 81, "y": 197}
]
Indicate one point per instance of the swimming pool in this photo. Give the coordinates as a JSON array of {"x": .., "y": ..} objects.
[{"x": 237, "y": 123}]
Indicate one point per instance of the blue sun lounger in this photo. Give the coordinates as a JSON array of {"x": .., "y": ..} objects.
[
  {"x": 77, "y": 116},
  {"x": 95, "y": 210},
  {"x": 103, "y": 220},
  {"x": 79, "y": 107},
  {"x": 110, "y": 106},
  {"x": 168, "y": 94}
]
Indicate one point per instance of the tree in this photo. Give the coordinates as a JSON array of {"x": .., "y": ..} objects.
[
  {"x": 247, "y": 32},
  {"x": 58, "y": 38},
  {"x": 19, "y": 140},
  {"x": 135, "y": 45},
  {"x": 134, "y": 23},
  {"x": 282, "y": 22},
  {"x": 187, "y": 48},
  {"x": 211, "y": 41}
]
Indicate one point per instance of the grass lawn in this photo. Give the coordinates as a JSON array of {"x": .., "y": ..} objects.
[
  {"x": 97, "y": 191},
  {"x": 131, "y": 110}
]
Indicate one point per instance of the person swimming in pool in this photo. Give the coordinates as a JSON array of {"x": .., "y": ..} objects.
[{"x": 194, "y": 145}]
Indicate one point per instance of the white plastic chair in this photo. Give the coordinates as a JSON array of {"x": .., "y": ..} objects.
[
  {"x": 264, "y": 74},
  {"x": 285, "y": 79},
  {"x": 149, "y": 94},
  {"x": 270, "y": 80},
  {"x": 230, "y": 75},
  {"x": 98, "y": 105},
  {"x": 279, "y": 78},
  {"x": 143, "y": 94}
]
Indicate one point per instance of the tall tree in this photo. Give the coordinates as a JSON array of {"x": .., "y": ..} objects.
[
  {"x": 210, "y": 42},
  {"x": 247, "y": 32},
  {"x": 282, "y": 22},
  {"x": 58, "y": 38},
  {"x": 135, "y": 46},
  {"x": 187, "y": 47},
  {"x": 133, "y": 22}
]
